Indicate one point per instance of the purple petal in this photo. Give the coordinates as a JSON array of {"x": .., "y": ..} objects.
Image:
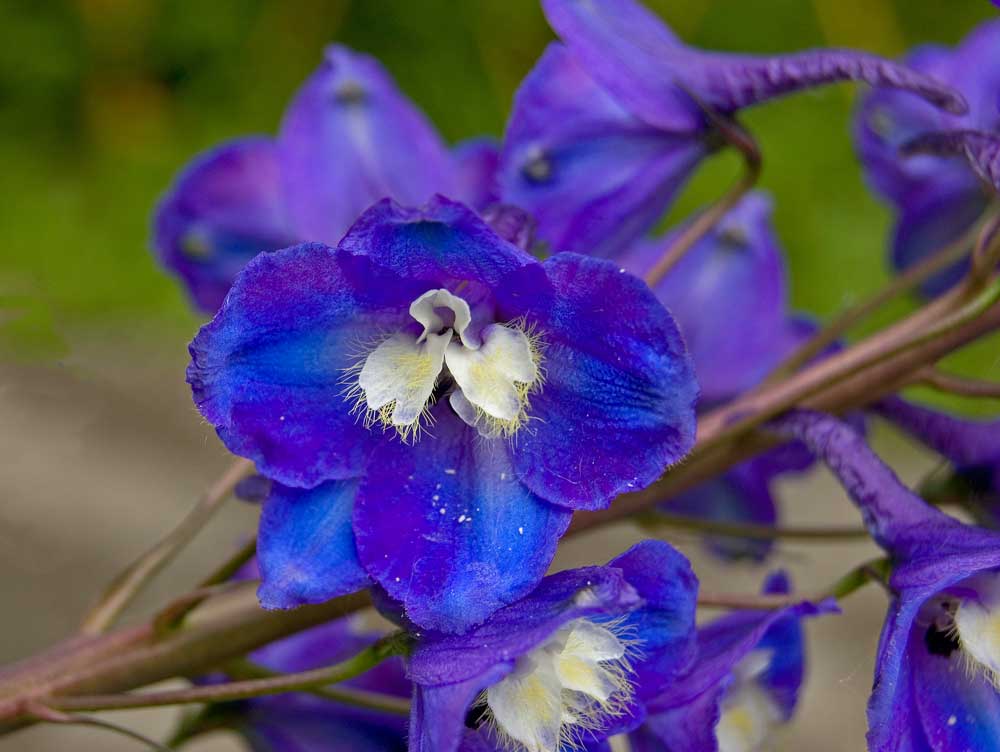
[
  {"x": 349, "y": 139},
  {"x": 631, "y": 53},
  {"x": 664, "y": 626},
  {"x": 961, "y": 440},
  {"x": 221, "y": 211},
  {"x": 442, "y": 243},
  {"x": 933, "y": 217},
  {"x": 477, "y": 162},
  {"x": 306, "y": 545},
  {"x": 738, "y": 273},
  {"x": 268, "y": 370},
  {"x": 517, "y": 629},
  {"x": 306, "y": 724},
  {"x": 437, "y": 717},
  {"x": 617, "y": 405},
  {"x": 686, "y": 728},
  {"x": 594, "y": 177},
  {"x": 445, "y": 527},
  {"x": 980, "y": 150}
]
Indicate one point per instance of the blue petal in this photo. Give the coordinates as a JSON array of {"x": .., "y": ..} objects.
[
  {"x": 687, "y": 728},
  {"x": 617, "y": 405},
  {"x": 959, "y": 709},
  {"x": 477, "y": 161},
  {"x": 349, "y": 139},
  {"x": 443, "y": 243},
  {"x": 445, "y": 527},
  {"x": 311, "y": 725},
  {"x": 268, "y": 371},
  {"x": 306, "y": 545},
  {"x": 437, "y": 717},
  {"x": 664, "y": 626},
  {"x": 221, "y": 211},
  {"x": 594, "y": 177}
]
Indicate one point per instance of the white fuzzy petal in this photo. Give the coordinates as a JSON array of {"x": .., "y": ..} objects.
[{"x": 403, "y": 371}]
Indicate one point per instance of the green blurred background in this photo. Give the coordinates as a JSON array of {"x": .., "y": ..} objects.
[{"x": 102, "y": 101}]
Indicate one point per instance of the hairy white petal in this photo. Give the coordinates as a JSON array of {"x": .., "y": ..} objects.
[
  {"x": 489, "y": 376},
  {"x": 423, "y": 310},
  {"x": 527, "y": 704},
  {"x": 977, "y": 622},
  {"x": 403, "y": 371}
]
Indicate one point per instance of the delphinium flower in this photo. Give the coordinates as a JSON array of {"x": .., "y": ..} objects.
[
  {"x": 729, "y": 295},
  {"x": 348, "y": 139},
  {"x": 572, "y": 663},
  {"x": 937, "y": 665},
  {"x": 972, "y": 448},
  {"x": 743, "y": 685},
  {"x": 611, "y": 122},
  {"x": 936, "y": 197},
  {"x": 432, "y": 403}
]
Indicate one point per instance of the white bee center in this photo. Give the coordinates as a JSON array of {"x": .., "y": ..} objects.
[
  {"x": 574, "y": 682},
  {"x": 749, "y": 714},
  {"x": 977, "y": 625},
  {"x": 494, "y": 370}
]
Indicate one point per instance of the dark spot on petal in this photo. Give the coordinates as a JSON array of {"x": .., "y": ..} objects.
[
  {"x": 349, "y": 92},
  {"x": 476, "y": 715},
  {"x": 538, "y": 169},
  {"x": 194, "y": 245},
  {"x": 940, "y": 642}
]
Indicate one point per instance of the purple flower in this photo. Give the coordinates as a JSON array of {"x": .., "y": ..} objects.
[
  {"x": 576, "y": 660},
  {"x": 744, "y": 683},
  {"x": 939, "y": 655},
  {"x": 348, "y": 139},
  {"x": 432, "y": 403},
  {"x": 936, "y": 197},
  {"x": 609, "y": 124}
]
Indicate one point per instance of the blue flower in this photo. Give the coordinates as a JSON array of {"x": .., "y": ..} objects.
[
  {"x": 432, "y": 403},
  {"x": 348, "y": 139},
  {"x": 610, "y": 123},
  {"x": 573, "y": 662},
  {"x": 744, "y": 682},
  {"x": 939, "y": 655},
  {"x": 936, "y": 198}
]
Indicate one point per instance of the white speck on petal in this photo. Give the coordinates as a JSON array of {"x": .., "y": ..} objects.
[
  {"x": 441, "y": 510},
  {"x": 435, "y": 497},
  {"x": 450, "y": 471},
  {"x": 461, "y": 518},
  {"x": 952, "y": 721},
  {"x": 520, "y": 531}
]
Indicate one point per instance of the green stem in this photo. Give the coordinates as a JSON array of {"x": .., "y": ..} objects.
[
  {"x": 358, "y": 698},
  {"x": 126, "y": 586},
  {"x": 394, "y": 644}
]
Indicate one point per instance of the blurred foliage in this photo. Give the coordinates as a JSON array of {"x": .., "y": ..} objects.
[{"x": 102, "y": 101}]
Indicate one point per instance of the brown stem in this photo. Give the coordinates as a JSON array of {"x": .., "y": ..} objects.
[
  {"x": 700, "y": 226},
  {"x": 962, "y": 386},
  {"x": 124, "y": 588}
]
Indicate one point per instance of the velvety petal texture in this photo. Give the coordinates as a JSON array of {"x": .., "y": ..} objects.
[
  {"x": 221, "y": 211},
  {"x": 617, "y": 405},
  {"x": 447, "y": 529},
  {"x": 350, "y": 138},
  {"x": 306, "y": 545},
  {"x": 651, "y": 586},
  {"x": 314, "y": 368}
]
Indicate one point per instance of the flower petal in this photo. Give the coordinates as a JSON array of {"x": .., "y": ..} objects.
[
  {"x": 617, "y": 405},
  {"x": 306, "y": 545},
  {"x": 959, "y": 709},
  {"x": 437, "y": 717},
  {"x": 349, "y": 139},
  {"x": 442, "y": 243},
  {"x": 961, "y": 440},
  {"x": 221, "y": 211},
  {"x": 594, "y": 177},
  {"x": 445, "y": 527},
  {"x": 635, "y": 57},
  {"x": 268, "y": 371},
  {"x": 305, "y": 724},
  {"x": 477, "y": 161}
]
